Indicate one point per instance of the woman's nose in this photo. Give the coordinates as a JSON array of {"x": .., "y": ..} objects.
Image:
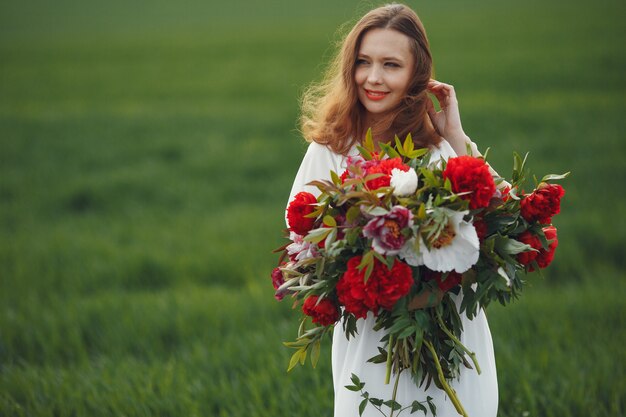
[{"x": 375, "y": 75}]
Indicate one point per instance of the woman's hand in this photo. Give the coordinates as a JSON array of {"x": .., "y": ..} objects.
[{"x": 446, "y": 121}]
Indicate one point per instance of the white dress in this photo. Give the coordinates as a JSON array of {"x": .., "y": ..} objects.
[{"x": 477, "y": 393}]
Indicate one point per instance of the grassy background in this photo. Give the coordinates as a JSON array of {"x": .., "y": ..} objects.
[{"x": 146, "y": 154}]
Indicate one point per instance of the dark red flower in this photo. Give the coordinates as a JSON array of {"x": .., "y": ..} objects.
[
  {"x": 469, "y": 174},
  {"x": 451, "y": 280},
  {"x": 543, "y": 203},
  {"x": 505, "y": 193},
  {"x": 277, "y": 281},
  {"x": 383, "y": 288},
  {"x": 382, "y": 167},
  {"x": 525, "y": 258},
  {"x": 325, "y": 312},
  {"x": 543, "y": 257},
  {"x": 481, "y": 228},
  {"x": 344, "y": 176},
  {"x": 301, "y": 205}
]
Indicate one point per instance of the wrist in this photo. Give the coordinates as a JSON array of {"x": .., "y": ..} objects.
[
  {"x": 457, "y": 138},
  {"x": 462, "y": 144}
]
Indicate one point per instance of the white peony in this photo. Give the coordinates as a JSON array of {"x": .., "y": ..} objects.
[
  {"x": 403, "y": 182},
  {"x": 456, "y": 248},
  {"x": 411, "y": 254}
]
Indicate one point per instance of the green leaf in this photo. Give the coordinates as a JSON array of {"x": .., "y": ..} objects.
[
  {"x": 367, "y": 259},
  {"x": 431, "y": 405},
  {"x": 376, "y": 401},
  {"x": 295, "y": 358},
  {"x": 399, "y": 147},
  {"x": 406, "y": 333},
  {"x": 317, "y": 235},
  {"x": 418, "y": 153},
  {"x": 510, "y": 246},
  {"x": 329, "y": 221},
  {"x": 315, "y": 352},
  {"x": 335, "y": 178},
  {"x": 484, "y": 157},
  {"x": 364, "y": 153},
  {"x": 355, "y": 379},
  {"x": 394, "y": 405},
  {"x": 417, "y": 406},
  {"x": 389, "y": 150},
  {"x": 421, "y": 213},
  {"x": 362, "y": 406},
  {"x": 377, "y": 211},
  {"x": 353, "y": 214},
  {"x": 429, "y": 176},
  {"x": 368, "y": 271},
  {"x": 369, "y": 141},
  {"x": 330, "y": 239},
  {"x": 408, "y": 145},
  {"x": 554, "y": 177}
]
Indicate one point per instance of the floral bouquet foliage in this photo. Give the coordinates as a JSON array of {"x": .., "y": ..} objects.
[{"x": 402, "y": 236}]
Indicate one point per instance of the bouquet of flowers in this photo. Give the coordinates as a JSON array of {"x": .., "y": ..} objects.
[{"x": 396, "y": 234}]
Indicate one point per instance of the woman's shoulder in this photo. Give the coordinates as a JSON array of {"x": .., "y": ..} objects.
[
  {"x": 316, "y": 148},
  {"x": 323, "y": 152},
  {"x": 443, "y": 149}
]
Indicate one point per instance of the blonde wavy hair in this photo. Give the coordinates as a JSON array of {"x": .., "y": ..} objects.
[{"x": 331, "y": 113}]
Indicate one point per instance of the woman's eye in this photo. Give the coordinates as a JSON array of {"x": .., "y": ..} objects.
[
  {"x": 361, "y": 62},
  {"x": 391, "y": 64}
]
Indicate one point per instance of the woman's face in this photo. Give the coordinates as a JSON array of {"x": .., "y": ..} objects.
[{"x": 383, "y": 70}]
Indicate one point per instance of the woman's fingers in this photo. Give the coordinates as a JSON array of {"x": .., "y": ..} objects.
[
  {"x": 430, "y": 108},
  {"x": 443, "y": 92}
]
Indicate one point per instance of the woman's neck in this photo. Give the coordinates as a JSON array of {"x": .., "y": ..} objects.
[{"x": 371, "y": 121}]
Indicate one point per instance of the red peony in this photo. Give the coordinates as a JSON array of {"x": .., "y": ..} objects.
[
  {"x": 383, "y": 288},
  {"x": 467, "y": 173},
  {"x": 451, "y": 280},
  {"x": 382, "y": 167},
  {"x": 344, "y": 176},
  {"x": 543, "y": 203},
  {"x": 277, "y": 281},
  {"x": 543, "y": 257},
  {"x": 481, "y": 228},
  {"x": 301, "y": 205},
  {"x": 325, "y": 312},
  {"x": 525, "y": 258},
  {"x": 505, "y": 192}
]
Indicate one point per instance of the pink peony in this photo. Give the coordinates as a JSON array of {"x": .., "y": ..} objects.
[{"x": 386, "y": 231}]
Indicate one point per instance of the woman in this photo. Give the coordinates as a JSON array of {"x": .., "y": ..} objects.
[{"x": 380, "y": 79}]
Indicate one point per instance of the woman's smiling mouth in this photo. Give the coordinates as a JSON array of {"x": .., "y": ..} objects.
[{"x": 376, "y": 95}]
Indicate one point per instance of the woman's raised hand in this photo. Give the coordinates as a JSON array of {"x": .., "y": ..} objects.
[{"x": 447, "y": 121}]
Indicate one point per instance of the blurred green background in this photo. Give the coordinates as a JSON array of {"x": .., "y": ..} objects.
[{"x": 147, "y": 149}]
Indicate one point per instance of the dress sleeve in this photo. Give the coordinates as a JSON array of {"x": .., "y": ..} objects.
[
  {"x": 442, "y": 150},
  {"x": 317, "y": 163}
]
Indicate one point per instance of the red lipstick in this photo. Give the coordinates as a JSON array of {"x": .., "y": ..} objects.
[{"x": 376, "y": 95}]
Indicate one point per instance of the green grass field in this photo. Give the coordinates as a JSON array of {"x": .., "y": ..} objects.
[{"x": 146, "y": 155}]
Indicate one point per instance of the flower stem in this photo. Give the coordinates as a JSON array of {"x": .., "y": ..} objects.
[
  {"x": 471, "y": 354},
  {"x": 389, "y": 356},
  {"x": 395, "y": 391},
  {"x": 444, "y": 383}
]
